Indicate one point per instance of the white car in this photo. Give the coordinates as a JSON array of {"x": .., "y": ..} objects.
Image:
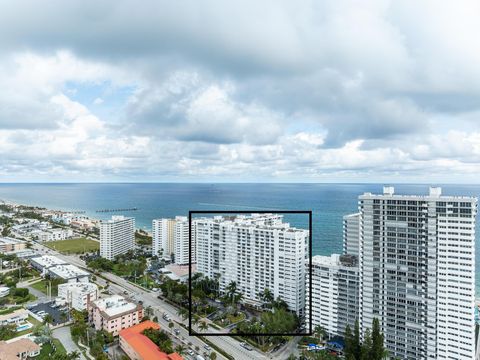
[{"x": 190, "y": 352}]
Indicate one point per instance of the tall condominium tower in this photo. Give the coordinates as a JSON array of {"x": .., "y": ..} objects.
[
  {"x": 351, "y": 227},
  {"x": 172, "y": 235},
  {"x": 117, "y": 236},
  {"x": 334, "y": 293},
  {"x": 256, "y": 252},
  {"x": 163, "y": 232},
  {"x": 417, "y": 273}
]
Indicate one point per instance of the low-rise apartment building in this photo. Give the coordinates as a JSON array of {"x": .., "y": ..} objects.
[
  {"x": 139, "y": 347},
  {"x": 77, "y": 295},
  {"x": 114, "y": 314}
]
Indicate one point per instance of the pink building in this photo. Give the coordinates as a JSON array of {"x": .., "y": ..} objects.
[{"x": 114, "y": 314}]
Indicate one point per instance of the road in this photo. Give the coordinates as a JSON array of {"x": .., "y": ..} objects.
[
  {"x": 118, "y": 285},
  {"x": 63, "y": 334}
]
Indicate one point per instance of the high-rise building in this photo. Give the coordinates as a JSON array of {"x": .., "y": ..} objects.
[
  {"x": 172, "y": 236},
  {"x": 417, "y": 273},
  {"x": 117, "y": 236},
  {"x": 163, "y": 232},
  {"x": 351, "y": 227},
  {"x": 256, "y": 252},
  {"x": 334, "y": 293}
]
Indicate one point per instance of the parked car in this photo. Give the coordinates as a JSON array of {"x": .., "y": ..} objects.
[
  {"x": 207, "y": 347},
  {"x": 176, "y": 331},
  {"x": 190, "y": 352}
]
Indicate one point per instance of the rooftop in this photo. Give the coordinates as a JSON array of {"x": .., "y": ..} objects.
[
  {"x": 67, "y": 271},
  {"x": 143, "y": 346},
  {"x": 115, "y": 305},
  {"x": 435, "y": 193},
  {"x": 9, "y": 350},
  {"x": 8, "y": 240},
  {"x": 79, "y": 287},
  {"x": 48, "y": 261}
]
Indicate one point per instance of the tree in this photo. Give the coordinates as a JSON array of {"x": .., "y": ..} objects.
[
  {"x": 203, "y": 326},
  {"x": 357, "y": 346},
  {"x": 267, "y": 298},
  {"x": 378, "y": 350},
  {"x": 320, "y": 331},
  {"x": 349, "y": 344},
  {"x": 183, "y": 313},
  {"x": 171, "y": 325},
  {"x": 180, "y": 349},
  {"x": 48, "y": 319},
  {"x": 366, "y": 346}
]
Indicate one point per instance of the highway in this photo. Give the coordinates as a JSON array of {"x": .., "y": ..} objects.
[{"x": 118, "y": 285}]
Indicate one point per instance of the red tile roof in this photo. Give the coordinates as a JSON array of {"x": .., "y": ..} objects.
[{"x": 142, "y": 345}]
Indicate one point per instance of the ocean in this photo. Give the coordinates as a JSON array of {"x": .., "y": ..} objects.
[{"x": 328, "y": 202}]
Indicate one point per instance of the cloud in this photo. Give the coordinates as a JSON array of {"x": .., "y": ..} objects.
[{"x": 274, "y": 90}]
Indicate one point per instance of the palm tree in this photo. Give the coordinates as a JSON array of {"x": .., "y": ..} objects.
[
  {"x": 171, "y": 325},
  {"x": 183, "y": 313},
  {"x": 213, "y": 355},
  {"x": 180, "y": 349},
  {"x": 48, "y": 319},
  {"x": 320, "y": 331},
  {"x": 203, "y": 326},
  {"x": 267, "y": 297},
  {"x": 231, "y": 289}
]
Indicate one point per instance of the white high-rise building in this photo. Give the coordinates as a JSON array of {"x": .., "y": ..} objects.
[
  {"x": 256, "y": 252},
  {"x": 351, "y": 227},
  {"x": 163, "y": 232},
  {"x": 117, "y": 236},
  {"x": 172, "y": 235},
  {"x": 334, "y": 293},
  {"x": 417, "y": 273}
]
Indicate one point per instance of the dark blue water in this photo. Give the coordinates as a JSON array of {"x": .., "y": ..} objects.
[{"x": 328, "y": 202}]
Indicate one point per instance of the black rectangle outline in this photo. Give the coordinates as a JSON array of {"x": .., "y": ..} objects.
[{"x": 310, "y": 269}]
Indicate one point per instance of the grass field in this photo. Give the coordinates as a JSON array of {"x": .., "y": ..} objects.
[
  {"x": 42, "y": 286},
  {"x": 74, "y": 246},
  {"x": 47, "y": 350}
]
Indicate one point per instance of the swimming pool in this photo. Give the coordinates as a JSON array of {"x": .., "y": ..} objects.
[{"x": 24, "y": 326}]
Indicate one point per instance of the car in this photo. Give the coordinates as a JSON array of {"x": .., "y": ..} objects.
[
  {"x": 246, "y": 346},
  {"x": 190, "y": 352},
  {"x": 207, "y": 347},
  {"x": 176, "y": 331}
]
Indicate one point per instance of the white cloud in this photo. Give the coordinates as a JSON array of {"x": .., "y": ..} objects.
[{"x": 278, "y": 90}]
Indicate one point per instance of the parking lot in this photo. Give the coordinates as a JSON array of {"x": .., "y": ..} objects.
[{"x": 55, "y": 312}]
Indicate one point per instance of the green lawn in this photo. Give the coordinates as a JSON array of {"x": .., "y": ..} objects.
[
  {"x": 74, "y": 246},
  {"x": 47, "y": 350},
  {"x": 42, "y": 286}
]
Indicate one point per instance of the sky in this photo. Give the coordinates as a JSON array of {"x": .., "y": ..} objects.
[{"x": 217, "y": 91}]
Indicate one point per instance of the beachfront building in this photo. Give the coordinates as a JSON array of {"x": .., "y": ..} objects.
[
  {"x": 139, "y": 347},
  {"x": 334, "y": 293},
  {"x": 163, "y": 232},
  {"x": 77, "y": 295},
  {"x": 172, "y": 236},
  {"x": 117, "y": 236},
  {"x": 11, "y": 246},
  {"x": 114, "y": 314},
  {"x": 256, "y": 252},
  {"x": 417, "y": 273},
  {"x": 19, "y": 349},
  {"x": 351, "y": 227}
]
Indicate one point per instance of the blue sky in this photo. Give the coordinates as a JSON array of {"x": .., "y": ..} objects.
[{"x": 332, "y": 91}]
